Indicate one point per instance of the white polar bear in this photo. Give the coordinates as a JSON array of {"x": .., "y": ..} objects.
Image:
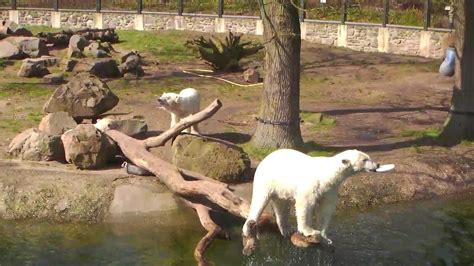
[
  {"x": 286, "y": 176},
  {"x": 181, "y": 105}
]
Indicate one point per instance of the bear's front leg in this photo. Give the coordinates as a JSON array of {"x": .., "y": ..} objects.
[
  {"x": 327, "y": 206},
  {"x": 304, "y": 211},
  {"x": 174, "y": 120}
]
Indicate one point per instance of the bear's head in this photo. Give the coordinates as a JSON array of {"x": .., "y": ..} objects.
[
  {"x": 358, "y": 161},
  {"x": 169, "y": 100}
]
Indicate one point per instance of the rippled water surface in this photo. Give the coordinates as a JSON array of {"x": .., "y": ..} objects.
[{"x": 439, "y": 232}]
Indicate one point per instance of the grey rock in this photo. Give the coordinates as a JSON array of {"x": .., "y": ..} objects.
[
  {"x": 129, "y": 127},
  {"x": 32, "y": 46},
  {"x": 88, "y": 148},
  {"x": 214, "y": 158},
  {"x": 76, "y": 46},
  {"x": 35, "y": 145},
  {"x": 68, "y": 64},
  {"x": 9, "y": 27},
  {"x": 251, "y": 75},
  {"x": 55, "y": 78},
  {"x": 84, "y": 96},
  {"x": 10, "y": 51},
  {"x": 105, "y": 68},
  {"x": 96, "y": 50},
  {"x": 57, "y": 123},
  {"x": 30, "y": 69}
]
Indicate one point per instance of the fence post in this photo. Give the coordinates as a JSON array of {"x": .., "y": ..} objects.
[
  {"x": 386, "y": 15},
  {"x": 98, "y": 6},
  {"x": 180, "y": 7},
  {"x": 14, "y": 5},
  {"x": 220, "y": 8},
  {"x": 302, "y": 12},
  {"x": 344, "y": 12},
  {"x": 139, "y": 6},
  {"x": 427, "y": 23},
  {"x": 56, "y": 5}
]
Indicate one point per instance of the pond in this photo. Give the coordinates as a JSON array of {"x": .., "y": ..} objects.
[{"x": 416, "y": 233}]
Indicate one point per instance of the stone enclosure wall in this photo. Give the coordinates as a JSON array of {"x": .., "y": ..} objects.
[{"x": 360, "y": 37}]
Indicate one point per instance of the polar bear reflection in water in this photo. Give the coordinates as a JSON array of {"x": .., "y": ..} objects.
[
  {"x": 181, "y": 105},
  {"x": 287, "y": 177}
]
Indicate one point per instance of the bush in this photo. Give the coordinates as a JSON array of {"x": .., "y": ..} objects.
[{"x": 223, "y": 56}]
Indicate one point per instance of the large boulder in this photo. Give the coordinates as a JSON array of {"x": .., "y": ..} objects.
[
  {"x": 96, "y": 50},
  {"x": 105, "y": 68},
  {"x": 76, "y": 46},
  {"x": 55, "y": 78},
  {"x": 129, "y": 127},
  {"x": 214, "y": 158},
  {"x": 35, "y": 145},
  {"x": 251, "y": 75},
  {"x": 57, "y": 123},
  {"x": 87, "y": 148},
  {"x": 85, "y": 96},
  {"x": 33, "y": 68},
  {"x": 32, "y": 46},
  {"x": 10, "y": 51}
]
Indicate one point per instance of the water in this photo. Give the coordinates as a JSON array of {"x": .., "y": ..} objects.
[{"x": 439, "y": 232}]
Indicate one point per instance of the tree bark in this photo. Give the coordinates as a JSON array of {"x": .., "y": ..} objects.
[
  {"x": 460, "y": 122},
  {"x": 278, "y": 121}
]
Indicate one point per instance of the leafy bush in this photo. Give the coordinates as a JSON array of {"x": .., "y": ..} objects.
[{"x": 223, "y": 56}]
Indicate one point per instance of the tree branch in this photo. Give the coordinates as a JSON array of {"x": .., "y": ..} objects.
[{"x": 183, "y": 124}]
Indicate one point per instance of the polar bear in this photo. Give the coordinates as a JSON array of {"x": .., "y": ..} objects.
[
  {"x": 288, "y": 176},
  {"x": 181, "y": 105}
]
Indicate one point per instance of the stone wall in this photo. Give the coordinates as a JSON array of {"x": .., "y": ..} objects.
[
  {"x": 362, "y": 38},
  {"x": 76, "y": 20},
  {"x": 404, "y": 41},
  {"x": 119, "y": 21},
  {"x": 154, "y": 22},
  {"x": 436, "y": 49},
  {"x": 27, "y": 17},
  {"x": 246, "y": 26},
  {"x": 321, "y": 33},
  {"x": 204, "y": 24}
]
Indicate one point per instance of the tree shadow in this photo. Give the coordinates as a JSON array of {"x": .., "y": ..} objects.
[
  {"x": 234, "y": 137},
  {"x": 381, "y": 110}
]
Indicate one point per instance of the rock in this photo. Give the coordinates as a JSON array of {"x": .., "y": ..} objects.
[
  {"x": 55, "y": 78},
  {"x": 9, "y": 27},
  {"x": 214, "y": 158},
  {"x": 32, "y": 46},
  {"x": 251, "y": 75},
  {"x": 137, "y": 73},
  {"x": 96, "y": 50},
  {"x": 85, "y": 96},
  {"x": 130, "y": 127},
  {"x": 30, "y": 69},
  {"x": 10, "y": 51},
  {"x": 87, "y": 148},
  {"x": 105, "y": 68},
  {"x": 76, "y": 46},
  {"x": 131, "y": 64},
  {"x": 35, "y": 145},
  {"x": 57, "y": 123},
  {"x": 68, "y": 64}
]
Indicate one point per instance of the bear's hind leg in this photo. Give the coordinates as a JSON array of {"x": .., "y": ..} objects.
[
  {"x": 326, "y": 209},
  {"x": 259, "y": 202},
  {"x": 282, "y": 210}
]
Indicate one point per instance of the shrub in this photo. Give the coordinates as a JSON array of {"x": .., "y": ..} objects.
[{"x": 223, "y": 56}]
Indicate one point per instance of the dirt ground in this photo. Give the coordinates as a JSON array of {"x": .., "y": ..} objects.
[{"x": 390, "y": 106}]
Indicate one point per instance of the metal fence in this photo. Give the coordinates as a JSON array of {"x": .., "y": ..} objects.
[{"x": 425, "y": 13}]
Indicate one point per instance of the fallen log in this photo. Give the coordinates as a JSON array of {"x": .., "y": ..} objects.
[{"x": 201, "y": 190}]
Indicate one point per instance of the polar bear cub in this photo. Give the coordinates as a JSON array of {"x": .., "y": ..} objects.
[
  {"x": 287, "y": 177},
  {"x": 181, "y": 105}
]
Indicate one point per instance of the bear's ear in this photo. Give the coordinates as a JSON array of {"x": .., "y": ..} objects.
[
  {"x": 346, "y": 162},
  {"x": 177, "y": 98}
]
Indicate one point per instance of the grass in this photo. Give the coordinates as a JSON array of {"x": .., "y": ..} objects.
[
  {"x": 311, "y": 148},
  {"x": 424, "y": 133},
  {"x": 317, "y": 122},
  {"x": 29, "y": 89},
  {"x": 35, "y": 29},
  {"x": 167, "y": 46}
]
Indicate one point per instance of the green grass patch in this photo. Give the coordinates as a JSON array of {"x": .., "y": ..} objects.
[
  {"x": 11, "y": 125},
  {"x": 317, "y": 122},
  {"x": 168, "y": 45},
  {"x": 35, "y": 117},
  {"x": 35, "y": 29},
  {"x": 424, "y": 133},
  {"x": 29, "y": 89},
  {"x": 256, "y": 153},
  {"x": 313, "y": 149}
]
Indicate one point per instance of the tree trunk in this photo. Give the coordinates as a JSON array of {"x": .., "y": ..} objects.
[
  {"x": 460, "y": 122},
  {"x": 278, "y": 121}
]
